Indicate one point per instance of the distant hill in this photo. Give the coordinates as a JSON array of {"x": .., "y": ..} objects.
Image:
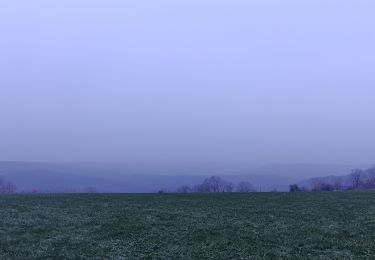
[
  {"x": 136, "y": 177},
  {"x": 303, "y": 170}
]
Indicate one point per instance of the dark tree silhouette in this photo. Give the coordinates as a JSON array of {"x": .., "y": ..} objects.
[
  {"x": 356, "y": 178},
  {"x": 213, "y": 184},
  {"x": 294, "y": 188},
  {"x": 370, "y": 174}
]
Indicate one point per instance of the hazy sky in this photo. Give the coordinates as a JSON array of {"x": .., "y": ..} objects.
[{"x": 255, "y": 81}]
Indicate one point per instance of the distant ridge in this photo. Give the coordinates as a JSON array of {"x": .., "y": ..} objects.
[{"x": 138, "y": 177}]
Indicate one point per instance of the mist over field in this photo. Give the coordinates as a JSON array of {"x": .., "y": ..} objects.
[
  {"x": 146, "y": 96},
  {"x": 254, "y": 82}
]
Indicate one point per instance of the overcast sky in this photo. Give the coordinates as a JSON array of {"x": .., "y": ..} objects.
[{"x": 190, "y": 80}]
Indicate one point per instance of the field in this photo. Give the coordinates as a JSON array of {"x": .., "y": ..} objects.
[{"x": 336, "y": 225}]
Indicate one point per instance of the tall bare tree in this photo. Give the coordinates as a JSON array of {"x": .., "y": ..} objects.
[
  {"x": 356, "y": 178},
  {"x": 370, "y": 182}
]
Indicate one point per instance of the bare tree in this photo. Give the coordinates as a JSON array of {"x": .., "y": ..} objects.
[
  {"x": 356, "y": 178},
  {"x": 370, "y": 182},
  {"x": 293, "y": 188},
  {"x": 245, "y": 186},
  {"x": 212, "y": 184}
]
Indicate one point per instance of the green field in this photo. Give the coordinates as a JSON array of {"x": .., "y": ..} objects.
[{"x": 336, "y": 225}]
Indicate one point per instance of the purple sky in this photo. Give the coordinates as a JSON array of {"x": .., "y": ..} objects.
[{"x": 191, "y": 80}]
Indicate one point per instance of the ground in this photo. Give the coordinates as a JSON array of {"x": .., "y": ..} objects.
[{"x": 335, "y": 225}]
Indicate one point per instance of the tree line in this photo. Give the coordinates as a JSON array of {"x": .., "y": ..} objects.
[
  {"x": 217, "y": 184},
  {"x": 357, "y": 180}
]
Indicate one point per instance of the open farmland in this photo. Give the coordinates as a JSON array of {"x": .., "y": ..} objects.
[{"x": 335, "y": 225}]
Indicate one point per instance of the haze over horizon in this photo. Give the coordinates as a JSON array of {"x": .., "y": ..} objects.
[{"x": 188, "y": 81}]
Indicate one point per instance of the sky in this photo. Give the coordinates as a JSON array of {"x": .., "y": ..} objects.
[{"x": 239, "y": 81}]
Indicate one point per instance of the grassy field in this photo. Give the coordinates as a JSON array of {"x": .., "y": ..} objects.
[{"x": 336, "y": 225}]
